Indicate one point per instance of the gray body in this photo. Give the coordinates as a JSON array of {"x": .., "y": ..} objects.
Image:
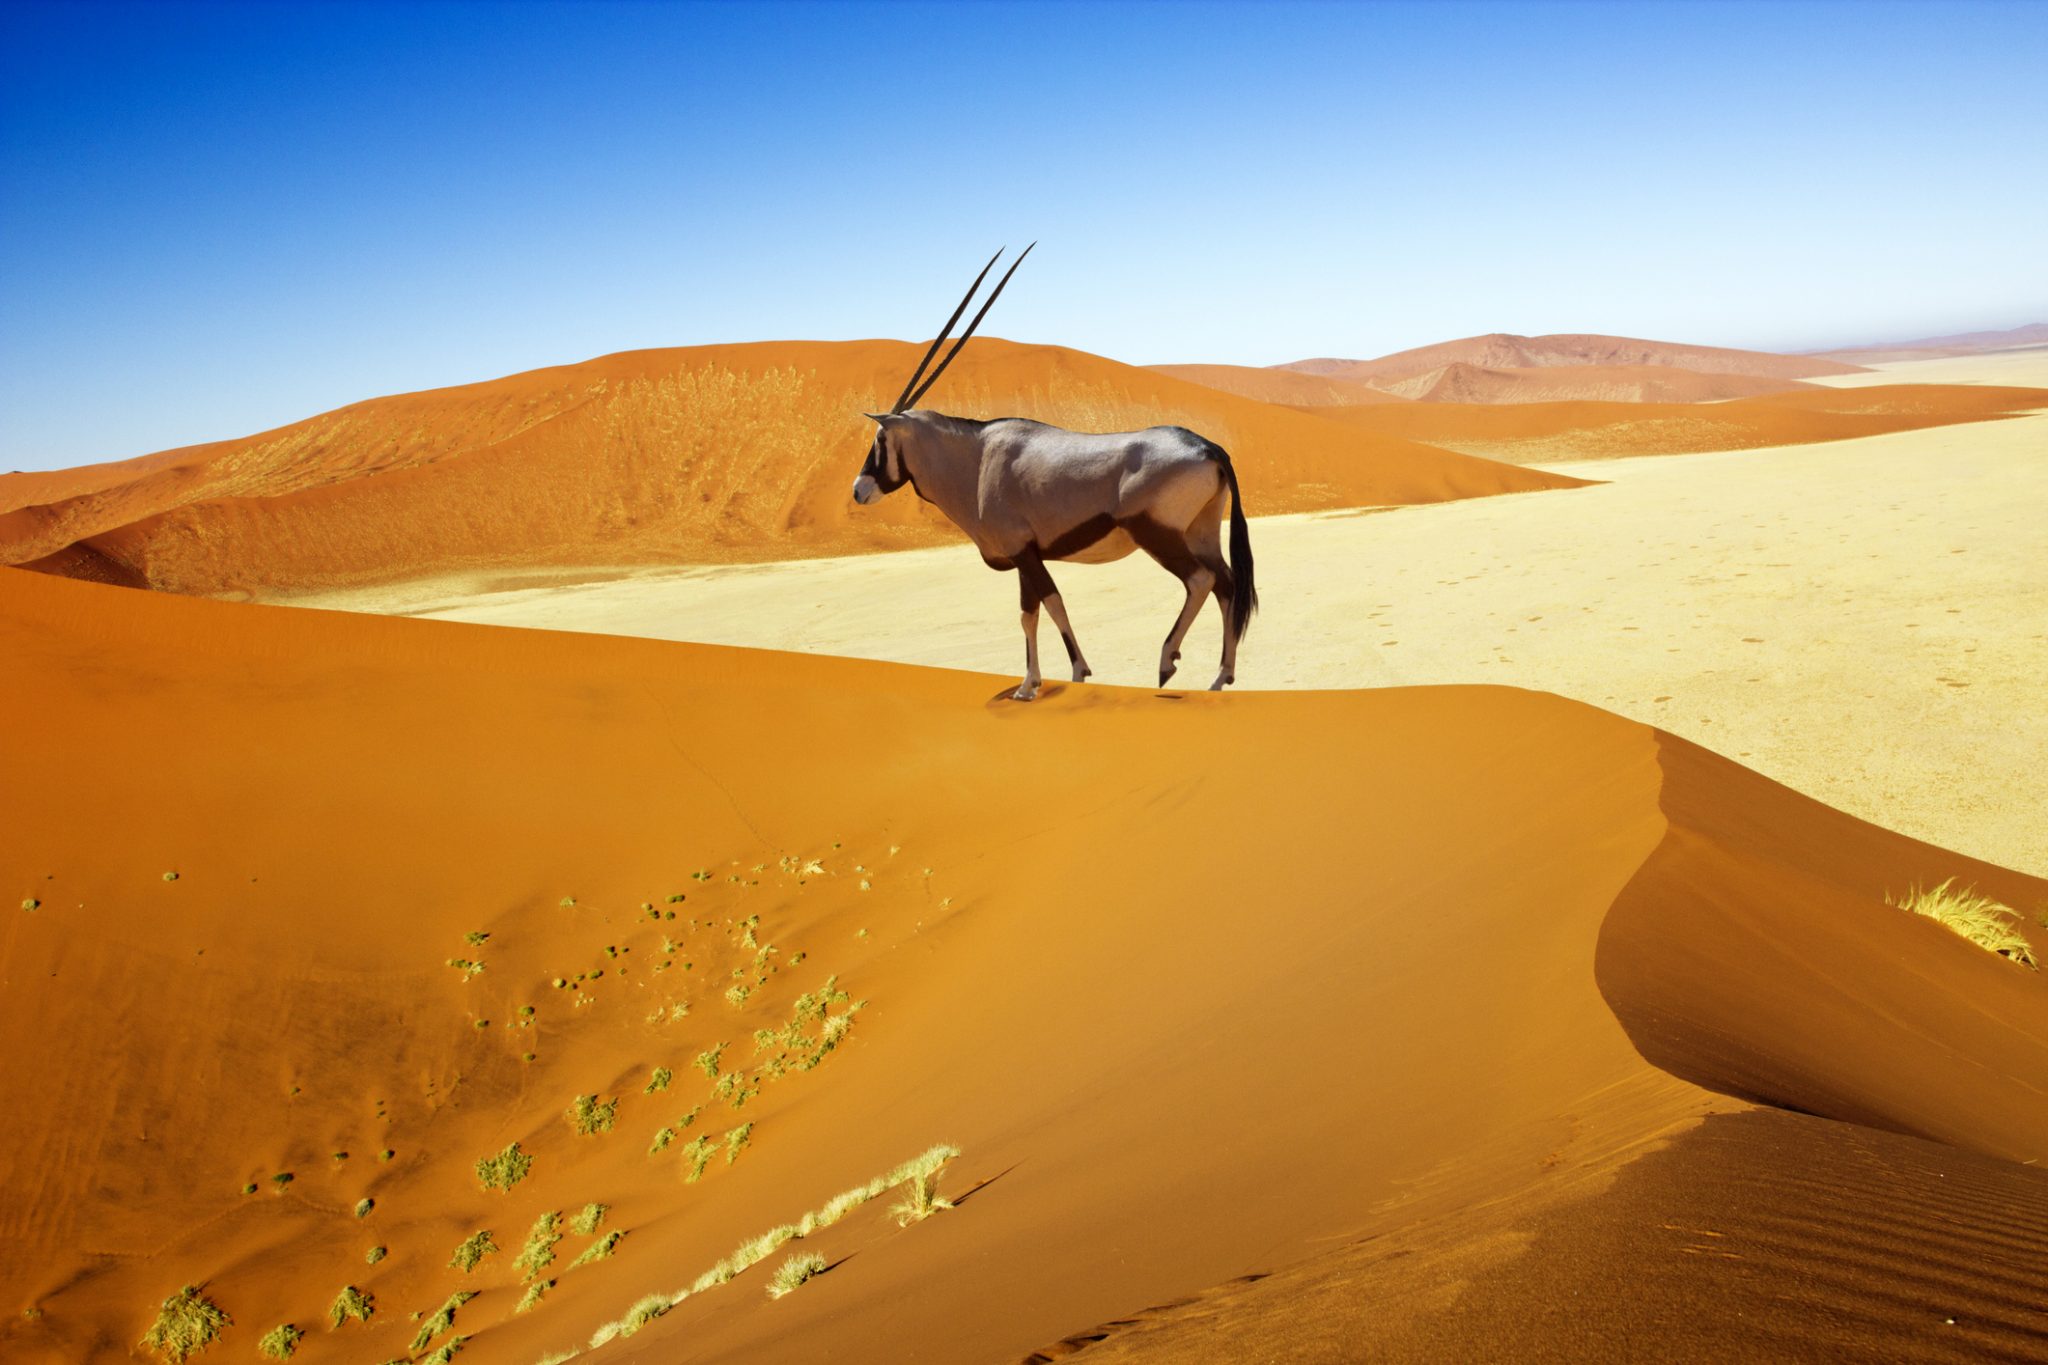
[{"x": 1027, "y": 493}]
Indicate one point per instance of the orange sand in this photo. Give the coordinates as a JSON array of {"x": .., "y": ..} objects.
[{"x": 1204, "y": 987}]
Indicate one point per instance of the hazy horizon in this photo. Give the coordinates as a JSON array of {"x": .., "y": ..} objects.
[{"x": 220, "y": 219}]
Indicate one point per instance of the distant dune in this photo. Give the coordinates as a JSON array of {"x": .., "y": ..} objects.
[
  {"x": 696, "y": 455},
  {"x": 1269, "y": 384},
  {"x": 1462, "y": 383},
  {"x": 1504, "y": 351},
  {"x": 1538, "y": 432},
  {"x": 1306, "y": 1006},
  {"x": 1935, "y": 348}
]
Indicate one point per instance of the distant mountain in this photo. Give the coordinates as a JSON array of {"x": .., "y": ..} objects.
[
  {"x": 1504, "y": 351},
  {"x": 1933, "y": 348}
]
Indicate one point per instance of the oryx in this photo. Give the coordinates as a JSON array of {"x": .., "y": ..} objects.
[{"x": 1025, "y": 492}]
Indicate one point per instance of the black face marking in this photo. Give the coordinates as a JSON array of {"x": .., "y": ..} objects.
[{"x": 877, "y": 466}]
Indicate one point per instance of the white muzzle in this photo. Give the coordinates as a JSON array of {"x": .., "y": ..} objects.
[{"x": 866, "y": 490}]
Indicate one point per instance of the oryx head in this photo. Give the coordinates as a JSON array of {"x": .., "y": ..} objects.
[{"x": 884, "y": 470}]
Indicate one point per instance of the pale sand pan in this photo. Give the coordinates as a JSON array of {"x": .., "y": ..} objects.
[{"x": 1866, "y": 621}]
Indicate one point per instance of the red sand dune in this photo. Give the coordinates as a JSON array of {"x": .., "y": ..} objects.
[
  {"x": 1462, "y": 383},
  {"x": 704, "y": 454},
  {"x": 1502, "y": 350},
  {"x": 1385, "y": 1021},
  {"x": 1269, "y": 384},
  {"x": 1586, "y": 430}
]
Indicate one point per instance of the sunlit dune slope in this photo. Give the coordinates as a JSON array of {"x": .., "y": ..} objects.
[
  {"x": 1200, "y": 986},
  {"x": 703, "y": 454},
  {"x": 1585, "y": 431},
  {"x": 1270, "y": 384},
  {"x": 1503, "y": 350}
]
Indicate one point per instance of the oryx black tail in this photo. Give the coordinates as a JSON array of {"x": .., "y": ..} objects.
[{"x": 1244, "y": 597}]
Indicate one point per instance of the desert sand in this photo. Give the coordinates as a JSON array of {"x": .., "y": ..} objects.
[
  {"x": 1865, "y": 620},
  {"x": 1504, "y": 350},
  {"x": 1458, "y": 1019}
]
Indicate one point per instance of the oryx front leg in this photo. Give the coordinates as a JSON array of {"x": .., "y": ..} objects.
[
  {"x": 1034, "y": 584},
  {"x": 1200, "y": 582}
]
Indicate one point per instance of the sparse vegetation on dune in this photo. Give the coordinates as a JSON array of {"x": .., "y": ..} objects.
[
  {"x": 539, "y": 1252},
  {"x": 921, "y": 1171},
  {"x": 588, "y": 1117},
  {"x": 351, "y": 1302},
  {"x": 187, "y": 1324},
  {"x": 1991, "y": 925},
  {"x": 600, "y": 1250},
  {"x": 588, "y": 1219},
  {"x": 506, "y": 1169},
  {"x": 473, "y": 1249},
  {"x": 439, "y": 1321},
  {"x": 531, "y": 1299},
  {"x": 280, "y": 1341},
  {"x": 793, "y": 1272}
]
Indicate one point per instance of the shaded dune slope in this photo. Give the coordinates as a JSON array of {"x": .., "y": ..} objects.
[
  {"x": 1461, "y": 383},
  {"x": 1202, "y": 986},
  {"x": 1270, "y": 384},
  {"x": 701, "y": 454},
  {"x": 1597, "y": 430}
]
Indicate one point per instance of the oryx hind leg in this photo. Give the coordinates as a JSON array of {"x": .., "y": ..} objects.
[
  {"x": 1206, "y": 539},
  {"x": 1169, "y": 545},
  {"x": 1058, "y": 609}
]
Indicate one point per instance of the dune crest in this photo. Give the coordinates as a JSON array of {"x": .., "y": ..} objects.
[{"x": 1506, "y": 351}]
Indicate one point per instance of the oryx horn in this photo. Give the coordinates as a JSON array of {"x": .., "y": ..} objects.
[{"x": 909, "y": 397}]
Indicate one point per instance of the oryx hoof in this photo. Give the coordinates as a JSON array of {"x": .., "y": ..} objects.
[
  {"x": 1025, "y": 692},
  {"x": 1223, "y": 680},
  {"x": 1166, "y": 672},
  {"x": 1082, "y": 672}
]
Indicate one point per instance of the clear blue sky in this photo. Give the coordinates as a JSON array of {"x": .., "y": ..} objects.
[{"x": 219, "y": 219}]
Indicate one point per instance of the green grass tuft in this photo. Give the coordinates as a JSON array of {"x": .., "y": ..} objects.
[
  {"x": 375, "y": 1254},
  {"x": 1987, "y": 923},
  {"x": 364, "y": 1205},
  {"x": 588, "y": 1117},
  {"x": 793, "y": 1272},
  {"x": 698, "y": 1153},
  {"x": 506, "y": 1169},
  {"x": 644, "y": 1312},
  {"x": 600, "y": 1250},
  {"x": 539, "y": 1252},
  {"x": 659, "y": 1080},
  {"x": 531, "y": 1299},
  {"x": 351, "y": 1302},
  {"x": 280, "y": 1341},
  {"x": 736, "y": 1142},
  {"x": 187, "y": 1324},
  {"x": 589, "y": 1219},
  {"x": 473, "y": 1249},
  {"x": 440, "y": 1321}
]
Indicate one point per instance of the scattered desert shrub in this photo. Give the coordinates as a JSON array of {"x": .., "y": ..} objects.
[
  {"x": 375, "y": 1254},
  {"x": 467, "y": 967},
  {"x": 644, "y": 1312},
  {"x": 707, "y": 1060},
  {"x": 31, "y": 903},
  {"x": 439, "y": 1321},
  {"x": 587, "y": 1116},
  {"x": 447, "y": 1352},
  {"x": 698, "y": 1153},
  {"x": 659, "y": 1080},
  {"x": 476, "y": 938},
  {"x": 1987, "y": 923},
  {"x": 662, "y": 1139},
  {"x": 187, "y": 1324},
  {"x": 280, "y": 1341},
  {"x": 921, "y": 1194},
  {"x": 539, "y": 1252},
  {"x": 506, "y": 1169},
  {"x": 473, "y": 1249},
  {"x": 736, "y": 1142},
  {"x": 531, "y": 1299},
  {"x": 589, "y": 1219},
  {"x": 281, "y": 1179},
  {"x": 351, "y": 1302},
  {"x": 600, "y": 1250},
  {"x": 364, "y": 1205},
  {"x": 794, "y": 1272}
]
